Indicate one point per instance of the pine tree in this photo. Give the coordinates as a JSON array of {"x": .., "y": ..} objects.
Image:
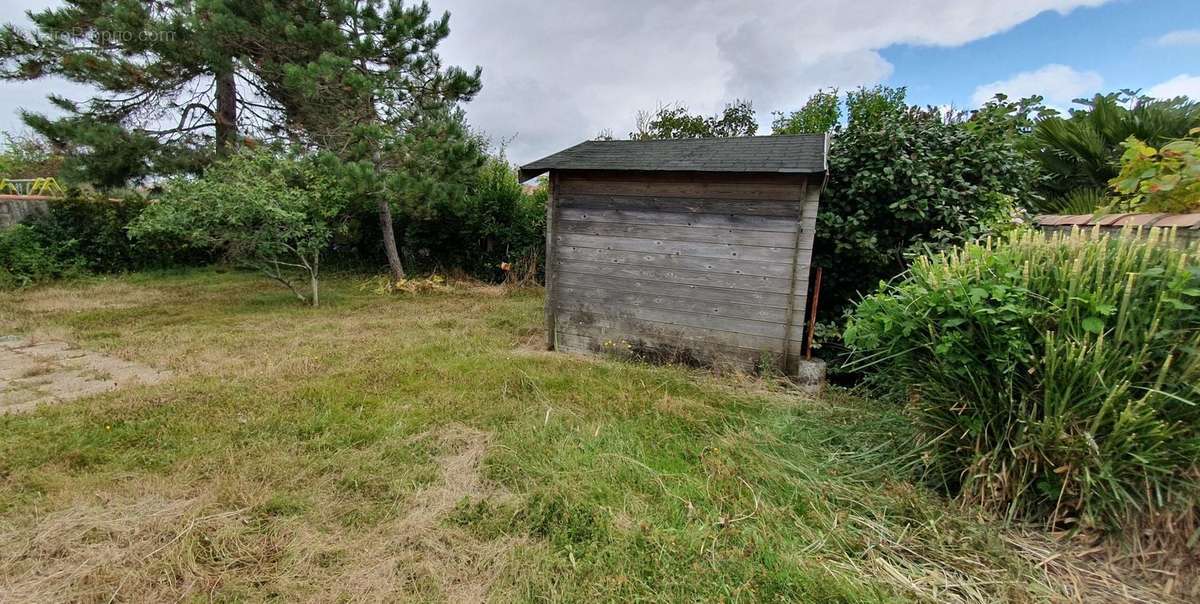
[
  {"x": 377, "y": 99},
  {"x": 183, "y": 80},
  {"x": 167, "y": 78}
]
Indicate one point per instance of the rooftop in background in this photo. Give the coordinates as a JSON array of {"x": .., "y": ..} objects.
[
  {"x": 1115, "y": 221},
  {"x": 793, "y": 154}
]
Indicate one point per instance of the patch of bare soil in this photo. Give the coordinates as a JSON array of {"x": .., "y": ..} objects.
[{"x": 36, "y": 371}]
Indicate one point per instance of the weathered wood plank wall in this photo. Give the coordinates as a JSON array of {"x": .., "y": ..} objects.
[{"x": 687, "y": 267}]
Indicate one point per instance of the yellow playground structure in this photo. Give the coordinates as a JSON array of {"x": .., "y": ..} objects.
[{"x": 31, "y": 187}]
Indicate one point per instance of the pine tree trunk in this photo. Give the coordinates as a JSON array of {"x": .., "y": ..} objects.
[
  {"x": 226, "y": 112},
  {"x": 389, "y": 240}
]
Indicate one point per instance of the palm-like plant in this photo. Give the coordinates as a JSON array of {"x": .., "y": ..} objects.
[
  {"x": 1082, "y": 150},
  {"x": 1088, "y": 200}
]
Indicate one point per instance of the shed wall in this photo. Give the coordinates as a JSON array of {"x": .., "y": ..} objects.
[{"x": 684, "y": 267}]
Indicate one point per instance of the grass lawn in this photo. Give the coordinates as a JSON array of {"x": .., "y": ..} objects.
[{"x": 419, "y": 448}]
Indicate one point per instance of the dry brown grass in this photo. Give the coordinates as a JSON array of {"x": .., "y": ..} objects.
[
  {"x": 163, "y": 543},
  {"x": 104, "y": 294},
  {"x": 416, "y": 549}
]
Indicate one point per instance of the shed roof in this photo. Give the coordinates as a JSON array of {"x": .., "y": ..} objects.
[{"x": 795, "y": 154}]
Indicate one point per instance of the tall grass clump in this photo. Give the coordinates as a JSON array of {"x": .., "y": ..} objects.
[{"x": 1052, "y": 378}]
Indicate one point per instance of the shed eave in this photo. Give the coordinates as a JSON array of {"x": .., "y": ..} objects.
[{"x": 527, "y": 174}]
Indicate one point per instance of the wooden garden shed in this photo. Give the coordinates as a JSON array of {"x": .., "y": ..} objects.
[{"x": 694, "y": 250}]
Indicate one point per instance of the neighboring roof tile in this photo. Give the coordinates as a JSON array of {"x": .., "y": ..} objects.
[
  {"x": 1183, "y": 221},
  {"x": 801, "y": 153},
  {"x": 1139, "y": 219},
  {"x": 1109, "y": 219}
]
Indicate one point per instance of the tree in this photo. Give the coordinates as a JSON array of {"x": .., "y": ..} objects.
[
  {"x": 167, "y": 76},
  {"x": 820, "y": 114},
  {"x": 377, "y": 98},
  {"x": 906, "y": 178},
  {"x": 875, "y": 104},
  {"x": 494, "y": 221},
  {"x": 29, "y": 156},
  {"x": 674, "y": 121},
  {"x": 1081, "y": 151},
  {"x": 262, "y": 210}
]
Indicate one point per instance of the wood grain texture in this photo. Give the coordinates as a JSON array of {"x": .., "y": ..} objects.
[
  {"x": 701, "y": 267},
  {"x": 589, "y": 324},
  {"x": 552, "y": 220},
  {"x": 663, "y": 285},
  {"x": 650, "y": 217},
  {"x": 686, "y": 205},
  {"x": 593, "y": 295},
  {"x": 678, "y": 318},
  {"x": 790, "y": 315},
  {"x": 676, "y": 233},
  {"x": 714, "y": 265},
  {"x": 700, "y": 277},
  {"x": 665, "y": 349},
  {"x": 695, "y": 249}
]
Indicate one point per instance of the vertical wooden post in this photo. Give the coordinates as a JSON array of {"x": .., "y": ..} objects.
[
  {"x": 551, "y": 298},
  {"x": 791, "y": 303},
  {"x": 813, "y": 301}
]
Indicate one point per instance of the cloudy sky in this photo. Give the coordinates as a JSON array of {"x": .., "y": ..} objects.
[{"x": 560, "y": 71}]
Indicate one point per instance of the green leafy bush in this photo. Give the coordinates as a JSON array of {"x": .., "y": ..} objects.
[
  {"x": 26, "y": 258},
  {"x": 269, "y": 212},
  {"x": 494, "y": 220},
  {"x": 903, "y": 178},
  {"x": 85, "y": 234},
  {"x": 1166, "y": 179},
  {"x": 1053, "y": 378},
  {"x": 90, "y": 232}
]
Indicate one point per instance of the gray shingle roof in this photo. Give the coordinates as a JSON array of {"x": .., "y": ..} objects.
[{"x": 801, "y": 153}]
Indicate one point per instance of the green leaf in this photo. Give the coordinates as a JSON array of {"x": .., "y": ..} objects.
[
  {"x": 1179, "y": 304},
  {"x": 1093, "y": 325}
]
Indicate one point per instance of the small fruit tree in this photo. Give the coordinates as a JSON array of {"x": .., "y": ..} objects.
[{"x": 266, "y": 211}]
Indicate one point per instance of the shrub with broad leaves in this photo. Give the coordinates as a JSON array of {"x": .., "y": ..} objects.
[
  {"x": 1163, "y": 179},
  {"x": 266, "y": 211}
]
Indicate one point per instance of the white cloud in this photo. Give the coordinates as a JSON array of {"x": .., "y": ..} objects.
[
  {"x": 559, "y": 72},
  {"x": 556, "y": 73},
  {"x": 1179, "y": 37},
  {"x": 1059, "y": 84},
  {"x": 1180, "y": 85}
]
